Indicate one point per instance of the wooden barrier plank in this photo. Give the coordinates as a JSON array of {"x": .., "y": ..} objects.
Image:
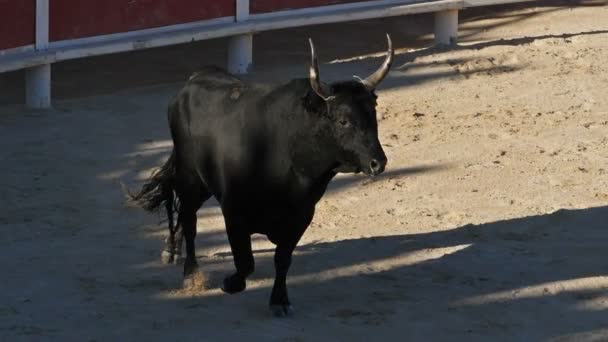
[
  {"x": 17, "y": 23},
  {"x": 169, "y": 36},
  {"x": 266, "y": 6},
  {"x": 71, "y": 19}
]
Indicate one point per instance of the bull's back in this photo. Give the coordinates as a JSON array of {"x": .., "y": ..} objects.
[{"x": 210, "y": 99}]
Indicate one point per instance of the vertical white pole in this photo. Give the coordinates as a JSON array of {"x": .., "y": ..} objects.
[
  {"x": 38, "y": 87},
  {"x": 446, "y": 27},
  {"x": 38, "y": 78},
  {"x": 240, "y": 48},
  {"x": 240, "y": 54},
  {"x": 242, "y": 10}
]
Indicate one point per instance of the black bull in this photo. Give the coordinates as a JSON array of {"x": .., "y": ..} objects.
[{"x": 267, "y": 155}]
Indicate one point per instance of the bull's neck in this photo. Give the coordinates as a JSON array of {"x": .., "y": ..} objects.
[{"x": 311, "y": 147}]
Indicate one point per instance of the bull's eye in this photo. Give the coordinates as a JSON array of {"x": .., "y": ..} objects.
[{"x": 344, "y": 123}]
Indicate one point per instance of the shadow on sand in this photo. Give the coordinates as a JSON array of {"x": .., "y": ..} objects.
[{"x": 533, "y": 278}]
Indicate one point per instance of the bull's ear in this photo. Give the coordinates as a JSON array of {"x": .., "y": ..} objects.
[{"x": 314, "y": 103}]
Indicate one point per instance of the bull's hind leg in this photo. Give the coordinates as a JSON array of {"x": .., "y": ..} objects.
[
  {"x": 172, "y": 252},
  {"x": 177, "y": 248},
  {"x": 190, "y": 202},
  {"x": 187, "y": 217}
]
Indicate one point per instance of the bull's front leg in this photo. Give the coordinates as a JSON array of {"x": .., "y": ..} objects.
[
  {"x": 240, "y": 244},
  {"x": 279, "y": 301}
]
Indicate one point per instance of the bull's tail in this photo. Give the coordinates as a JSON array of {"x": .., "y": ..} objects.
[{"x": 159, "y": 190}]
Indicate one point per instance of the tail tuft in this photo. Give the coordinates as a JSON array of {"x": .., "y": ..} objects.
[{"x": 158, "y": 190}]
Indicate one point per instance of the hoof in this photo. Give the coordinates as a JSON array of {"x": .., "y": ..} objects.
[
  {"x": 233, "y": 284},
  {"x": 281, "y": 311},
  {"x": 166, "y": 257}
]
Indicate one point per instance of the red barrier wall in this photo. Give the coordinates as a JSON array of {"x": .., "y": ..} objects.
[
  {"x": 264, "y": 6},
  {"x": 17, "y": 23},
  {"x": 71, "y": 19}
]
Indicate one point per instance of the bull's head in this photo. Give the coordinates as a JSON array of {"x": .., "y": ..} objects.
[{"x": 351, "y": 111}]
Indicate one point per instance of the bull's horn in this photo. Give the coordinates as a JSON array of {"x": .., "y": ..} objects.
[
  {"x": 374, "y": 79},
  {"x": 315, "y": 82}
]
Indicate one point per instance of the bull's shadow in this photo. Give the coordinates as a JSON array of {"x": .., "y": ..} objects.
[
  {"x": 349, "y": 180},
  {"x": 532, "y": 278}
]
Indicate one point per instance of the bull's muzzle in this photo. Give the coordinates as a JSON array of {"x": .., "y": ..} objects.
[{"x": 377, "y": 166}]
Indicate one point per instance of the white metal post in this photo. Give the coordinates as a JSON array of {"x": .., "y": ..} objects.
[
  {"x": 240, "y": 48},
  {"x": 38, "y": 78},
  {"x": 38, "y": 86},
  {"x": 446, "y": 27},
  {"x": 240, "y": 56}
]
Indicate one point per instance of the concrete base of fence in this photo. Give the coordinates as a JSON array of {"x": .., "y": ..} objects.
[
  {"x": 38, "y": 87},
  {"x": 446, "y": 27},
  {"x": 240, "y": 53}
]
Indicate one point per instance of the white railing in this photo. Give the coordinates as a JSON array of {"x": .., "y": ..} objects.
[{"x": 37, "y": 59}]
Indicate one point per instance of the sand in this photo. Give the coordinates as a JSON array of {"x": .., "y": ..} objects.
[{"x": 490, "y": 223}]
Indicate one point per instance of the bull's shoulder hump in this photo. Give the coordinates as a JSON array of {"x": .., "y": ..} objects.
[{"x": 214, "y": 76}]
